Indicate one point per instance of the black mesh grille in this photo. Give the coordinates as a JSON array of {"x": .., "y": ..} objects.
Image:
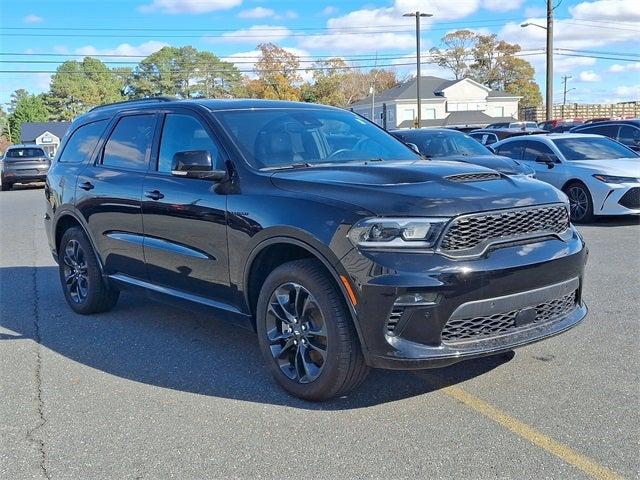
[
  {"x": 631, "y": 199},
  {"x": 470, "y": 231},
  {"x": 473, "y": 177},
  {"x": 483, "y": 327}
]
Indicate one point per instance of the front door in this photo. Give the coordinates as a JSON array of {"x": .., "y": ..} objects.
[
  {"x": 109, "y": 191},
  {"x": 185, "y": 222},
  {"x": 533, "y": 150}
]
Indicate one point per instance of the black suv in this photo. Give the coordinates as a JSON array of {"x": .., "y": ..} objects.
[
  {"x": 336, "y": 242},
  {"x": 626, "y": 132}
]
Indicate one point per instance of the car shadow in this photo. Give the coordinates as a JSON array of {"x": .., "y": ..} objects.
[
  {"x": 613, "y": 221},
  {"x": 160, "y": 345}
]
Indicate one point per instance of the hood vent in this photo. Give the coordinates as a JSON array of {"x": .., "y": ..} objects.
[{"x": 473, "y": 177}]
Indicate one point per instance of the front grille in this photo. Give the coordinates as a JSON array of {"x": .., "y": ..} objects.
[
  {"x": 472, "y": 231},
  {"x": 631, "y": 199},
  {"x": 457, "y": 330},
  {"x": 473, "y": 177},
  {"x": 394, "y": 318}
]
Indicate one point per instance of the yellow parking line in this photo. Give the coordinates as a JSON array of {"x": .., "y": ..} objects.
[{"x": 558, "y": 449}]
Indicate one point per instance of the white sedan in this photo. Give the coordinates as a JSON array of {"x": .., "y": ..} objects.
[{"x": 599, "y": 175}]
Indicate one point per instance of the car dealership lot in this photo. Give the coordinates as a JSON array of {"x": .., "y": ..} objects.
[{"x": 150, "y": 391}]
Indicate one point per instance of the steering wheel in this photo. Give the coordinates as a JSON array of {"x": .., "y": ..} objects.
[{"x": 339, "y": 153}]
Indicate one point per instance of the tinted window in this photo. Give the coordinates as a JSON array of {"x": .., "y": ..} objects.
[
  {"x": 82, "y": 142},
  {"x": 445, "y": 144},
  {"x": 511, "y": 150},
  {"x": 182, "y": 133},
  {"x": 535, "y": 149},
  {"x": 130, "y": 142},
  {"x": 280, "y": 137},
  {"x": 606, "y": 130},
  {"x": 592, "y": 148},
  {"x": 25, "y": 153},
  {"x": 629, "y": 135}
]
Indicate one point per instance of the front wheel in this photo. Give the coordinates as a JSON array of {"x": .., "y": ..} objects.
[
  {"x": 84, "y": 288},
  {"x": 306, "y": 334},
  {"x": 580, "y": 202}
]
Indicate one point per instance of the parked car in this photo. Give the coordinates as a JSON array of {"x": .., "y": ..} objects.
[
  {"x": 523, "y": 125},
  {"x": 445, "y": 144},
  {"x": 626, "y": 132},
  {"x": 489, "y": 136},
  {"x": 23, "y": 164},
  {"x": 498, "y": 125},
  {"x": 550, "y": 125},
  {"x": 342, "y": 256},
  {"x": 600, "y": 176}
]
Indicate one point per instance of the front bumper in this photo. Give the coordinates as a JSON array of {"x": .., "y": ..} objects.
[
  {"x": 511, "y": 278},
  {"x": 616, "y": 199}
]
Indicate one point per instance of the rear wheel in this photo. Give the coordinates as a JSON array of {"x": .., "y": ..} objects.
[
  {"x": 306, "y": 334},
  {"x": 580, "y": 202},
  {"x": 6, "y": 186},
  {"x": 84, "y": 288}
]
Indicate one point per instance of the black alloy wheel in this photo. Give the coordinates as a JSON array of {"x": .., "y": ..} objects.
[
  {"x": 306, "y": 333},
  {"x": 297, "y": 332},
  {"x": 580, "y": 203},
  {"x": 74, "y": 267}
]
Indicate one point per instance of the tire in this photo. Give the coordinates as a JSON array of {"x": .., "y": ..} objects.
[
  {"x": 580, "y": 202},
  {"x": 6, "y": 186},
  {"x": 84, "y": 288},
  {"x": 293, "y": 352}
]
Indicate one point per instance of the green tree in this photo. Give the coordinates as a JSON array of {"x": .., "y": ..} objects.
[
  {"x": 277, "y": 74},
  {"x": 327, "y": 85},
  {"x": 78, "y": 86},
  {"x": 185, "y": 73},
  {"x": 28, "y": 108},
  {"x": 16, "y": 97},
  {"x": 455, "y": 53}
]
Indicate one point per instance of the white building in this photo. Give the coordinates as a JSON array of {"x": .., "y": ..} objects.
[
  {"x": 452, "y": 103},
  {"x": 46, "y": 134}
]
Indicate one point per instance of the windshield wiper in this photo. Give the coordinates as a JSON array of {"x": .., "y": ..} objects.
[{"x": 289, "y": 166}]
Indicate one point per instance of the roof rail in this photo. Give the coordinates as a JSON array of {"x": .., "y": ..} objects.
[{"x": 136, "y": 100}]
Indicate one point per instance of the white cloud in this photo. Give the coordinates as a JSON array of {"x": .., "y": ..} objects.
[
  {"x": 534, "y": 11},
  {"x": 329, "y": 10},
  {"x": 289, "y": 14},
  {"x": 258, "y": 12},
  {"x": 589, "y": 76},
  {"x": 255, "y": 35},
  {"x": 33, "y": 19},
  {"x": 618, "y": 10},
  {"x": 188, "y": 6},
  {"x": 443, "y": 9},
  {"x": 502, "y": 5},
  {"x": 630, "y": 67},
  {"x": 628, "y": 92},
  {"x": 60, "y": 49},
  {"x": 143, "y": 49},
  {"x": 42, "y": 80}
]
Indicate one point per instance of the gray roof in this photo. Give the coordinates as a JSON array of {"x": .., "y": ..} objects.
[
  {"x": 430, "y": 87},
  {"x": 460, "y": 119},
  {"x": 29, "y": 131}
]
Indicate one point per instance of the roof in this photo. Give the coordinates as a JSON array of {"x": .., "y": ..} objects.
[
  {"x": 547, "y": 137},
  {"x": 29, "y": 131},
  {"x": 471, "y": 118},
  {"x": 430, "y": 87},
  {"x": 23, "y": 145}
]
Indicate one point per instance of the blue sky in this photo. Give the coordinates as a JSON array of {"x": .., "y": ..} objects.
[{"x": 599, "y": 38}]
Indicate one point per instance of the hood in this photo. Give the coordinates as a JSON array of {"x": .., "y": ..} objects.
[
  {"x": 505, "y": 165},
  {"x": 622, "y": 167},
  {"x": 418, "y": 188}
]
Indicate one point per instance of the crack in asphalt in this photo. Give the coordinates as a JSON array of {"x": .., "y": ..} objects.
[{"x": 38, "y": 441}]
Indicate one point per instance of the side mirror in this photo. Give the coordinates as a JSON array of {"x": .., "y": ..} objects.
[
  {"x": 195, "y": 164},
  {"x": 550, "y": 160}
]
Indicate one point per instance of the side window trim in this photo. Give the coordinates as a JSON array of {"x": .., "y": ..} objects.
[{"x": 116, "y": 120}]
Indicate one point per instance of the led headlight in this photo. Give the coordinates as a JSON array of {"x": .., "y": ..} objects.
[
  {"x": 397, "y": 232},
  {"x": 614, "y": 179}
]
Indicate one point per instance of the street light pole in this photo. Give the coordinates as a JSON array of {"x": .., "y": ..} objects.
[
  {"x": 549, "y": 112},
  {"x": 418, "y": 14}
]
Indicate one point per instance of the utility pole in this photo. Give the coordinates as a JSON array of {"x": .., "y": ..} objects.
[
  {"x": 418, "y": 14},
  {"x": 564, "y": 93},
  {"x": 549, "y": 112}
]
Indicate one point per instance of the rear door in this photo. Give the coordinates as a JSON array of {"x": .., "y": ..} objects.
[
  {"x": 534, "y": 149},
  {"x": 109, "y": 192},
  {"x": 185, "y": 221}
]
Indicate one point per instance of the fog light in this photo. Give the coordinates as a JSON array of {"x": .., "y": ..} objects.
[{"x": 415, "y": 299}]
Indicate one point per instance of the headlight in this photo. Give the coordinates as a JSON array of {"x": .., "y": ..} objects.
[
  {"x": 614, "y": 179},
  {"x": 397, "y": 232}
]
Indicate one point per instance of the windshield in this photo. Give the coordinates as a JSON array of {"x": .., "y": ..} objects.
[
  {"x": 446, "y": 144},
  {"x": 25, "y": 153},
  {"x": 592, "y": 148},
  {"x": 282, "y": 137}
]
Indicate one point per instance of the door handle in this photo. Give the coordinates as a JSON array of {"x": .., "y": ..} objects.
[
  {"x": 154, "y": 195},
  {"x": 86, "y": 186}
]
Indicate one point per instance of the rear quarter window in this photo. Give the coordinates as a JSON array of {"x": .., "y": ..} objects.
[{"x": 82, "y": 142}]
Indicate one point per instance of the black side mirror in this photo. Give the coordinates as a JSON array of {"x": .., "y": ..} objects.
[
  {"x": 550, "y": 160},
  {"x": 196, "y": 164}
]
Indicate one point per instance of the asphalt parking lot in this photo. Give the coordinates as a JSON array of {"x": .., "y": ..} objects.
[{"x": 149, "y": 391}]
